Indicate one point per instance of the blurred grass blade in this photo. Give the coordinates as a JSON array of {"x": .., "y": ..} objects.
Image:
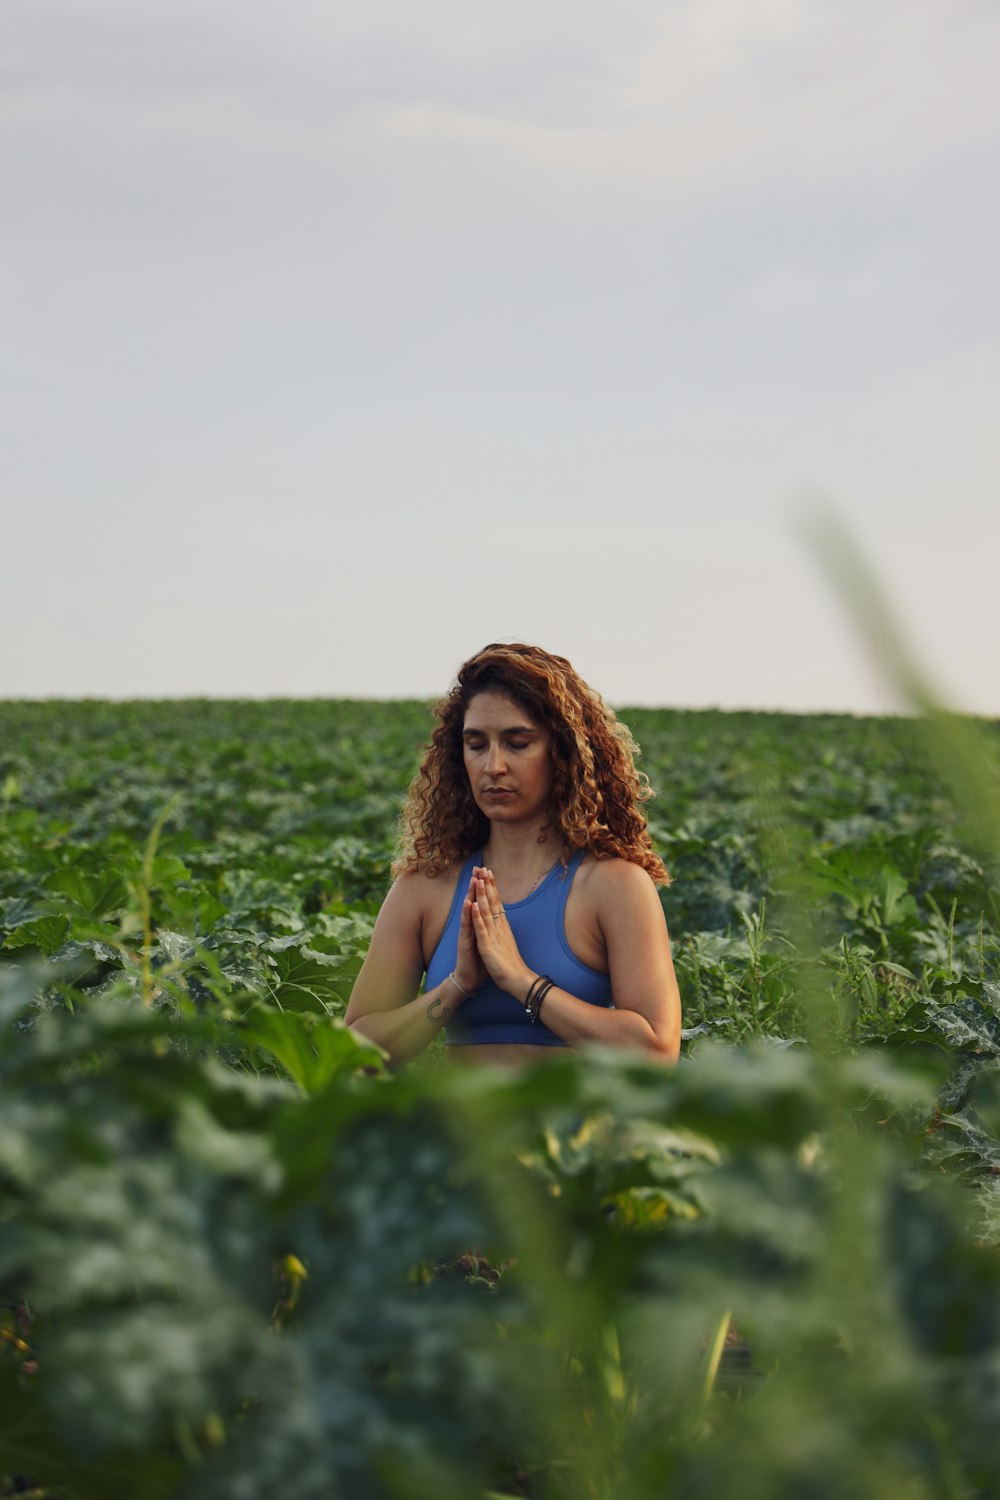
[{"x": 965, "y": 758}]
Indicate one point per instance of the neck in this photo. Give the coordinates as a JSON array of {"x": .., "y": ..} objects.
[{"x": 517, "y": 850}]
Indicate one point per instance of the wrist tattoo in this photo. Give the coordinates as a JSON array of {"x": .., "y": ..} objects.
[{"x": 437, "y": 1010}]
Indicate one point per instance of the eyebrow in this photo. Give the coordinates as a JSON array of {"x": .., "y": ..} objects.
[{"x": 512, "y": 729}]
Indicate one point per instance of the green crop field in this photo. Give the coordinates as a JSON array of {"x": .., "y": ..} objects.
[{"x": 240, "y": 1259}]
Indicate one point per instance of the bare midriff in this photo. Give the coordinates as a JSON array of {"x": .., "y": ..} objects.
[{"x": 507, "y": 1054}]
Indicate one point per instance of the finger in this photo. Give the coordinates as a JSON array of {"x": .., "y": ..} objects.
[
  {"x": 466, "y": 924},
  {"x": 496, "y": 904},
  {"x": 493, "y": 897}
]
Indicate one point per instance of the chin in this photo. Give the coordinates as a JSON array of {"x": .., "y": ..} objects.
[{"x": 501, "y": 813}]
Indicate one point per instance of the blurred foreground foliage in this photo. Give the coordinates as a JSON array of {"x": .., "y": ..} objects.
[{"x": 239, "y": 1259}]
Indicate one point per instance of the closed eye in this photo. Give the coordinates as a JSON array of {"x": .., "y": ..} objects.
[{"x": 511, "y": 744}]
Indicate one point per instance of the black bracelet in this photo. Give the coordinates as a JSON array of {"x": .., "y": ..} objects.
[
  {"x": 536, "y": 995},
  {"x": 529, "y": 999},
  {"x": 538, "y": 979},
  {"x": 541, "y": 996}
]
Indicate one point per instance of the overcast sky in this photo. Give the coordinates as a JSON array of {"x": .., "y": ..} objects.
[{"x": 340, "y": 339}]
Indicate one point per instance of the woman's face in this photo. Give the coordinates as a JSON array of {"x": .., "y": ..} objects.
[{"x": 508, "y": 758}]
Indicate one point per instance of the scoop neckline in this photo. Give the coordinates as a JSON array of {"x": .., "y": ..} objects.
[{"x": 516, "y": 905}]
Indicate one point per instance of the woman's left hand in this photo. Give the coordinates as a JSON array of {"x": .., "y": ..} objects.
[{"x": 494, "y": 939}]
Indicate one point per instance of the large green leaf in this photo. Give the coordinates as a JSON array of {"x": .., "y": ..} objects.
[
  {"x": 313, "y": 1049},
  {"x": 44, "y": 933}
]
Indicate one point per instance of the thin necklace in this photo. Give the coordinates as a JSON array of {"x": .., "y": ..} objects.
[{"x": 536, "y": 882}]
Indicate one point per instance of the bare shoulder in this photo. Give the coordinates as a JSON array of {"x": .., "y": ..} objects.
[
  {"x": 417, "y": 905},
  {"x": 414, "y": 893},
  {"x": 616, "y": 878},
  {"x": 408, "y": 890},
  {"x": 616, "y": 888}
]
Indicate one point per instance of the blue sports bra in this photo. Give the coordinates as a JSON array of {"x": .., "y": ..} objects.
[{"x": 537, "y": 923}]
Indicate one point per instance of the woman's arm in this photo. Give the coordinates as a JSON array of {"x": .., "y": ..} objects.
[
  {"x": 647, "y": 1011},
  {"x": 382, "y": 1006}
]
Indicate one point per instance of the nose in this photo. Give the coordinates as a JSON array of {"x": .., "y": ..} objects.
[{"x": 495, "y": 762}]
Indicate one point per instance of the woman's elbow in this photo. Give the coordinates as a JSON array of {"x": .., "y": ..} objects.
[
  {"x": 362, "y": 1028},
  {"x": 368, "y": 1029},
  {"x": 666, "y": 1041},
  {"x": 666, "y": 1049}
]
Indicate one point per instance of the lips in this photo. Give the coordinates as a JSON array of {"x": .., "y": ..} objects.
[{"x": 498, "y": 793}]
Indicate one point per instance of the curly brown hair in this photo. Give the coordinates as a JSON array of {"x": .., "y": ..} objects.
[{"x": 597, "y": 793}]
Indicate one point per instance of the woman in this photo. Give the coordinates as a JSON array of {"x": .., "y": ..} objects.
[{"x": 526, "y": 886}]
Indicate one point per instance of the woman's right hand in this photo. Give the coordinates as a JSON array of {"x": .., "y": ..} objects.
[{"x": 470, "y": 972}]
